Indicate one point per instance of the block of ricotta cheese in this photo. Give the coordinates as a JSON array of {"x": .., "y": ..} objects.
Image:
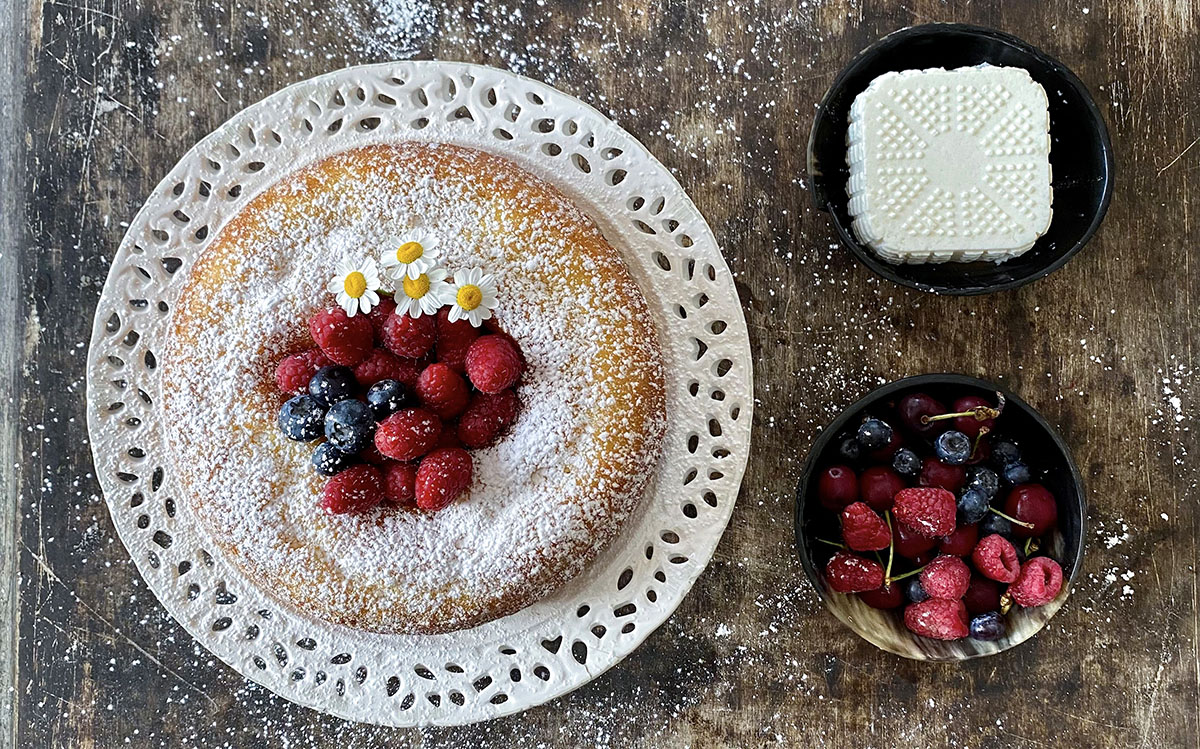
[{"x": 950, "y": 165}]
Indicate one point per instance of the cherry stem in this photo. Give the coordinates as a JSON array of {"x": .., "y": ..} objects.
[
  {"x": 981, "y": 413},
  {"x": 1030, "y": 546},
  {"x": 887, "y": 516},
  {"x": 1011, "y": 519},
  {"x": 832, "y": 543},
  {"x": 978, "y": 438},
  {"x": 889, "y": 580}
]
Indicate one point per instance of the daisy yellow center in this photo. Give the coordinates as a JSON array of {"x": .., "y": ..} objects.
[
  {"x": 356, "y": 284},
  {"x": 416, "y": 288},
  {"x": 409, "y": 252},
  {"x": 469, "y": 297}
]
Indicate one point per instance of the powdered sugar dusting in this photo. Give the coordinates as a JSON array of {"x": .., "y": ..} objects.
[{"x": 544, "y": 499}]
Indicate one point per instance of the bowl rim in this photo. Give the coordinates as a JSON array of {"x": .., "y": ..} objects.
[
  {"x": 821, "y": 190},
  {"x": 823, "y": 440}
]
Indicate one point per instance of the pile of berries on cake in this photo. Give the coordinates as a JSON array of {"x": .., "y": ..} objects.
[
  {"x": 394, "y": 403},
  {"x": 941, "y": 516}
]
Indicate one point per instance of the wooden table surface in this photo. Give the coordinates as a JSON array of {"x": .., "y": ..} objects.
[{"x": 100, "y": 97}]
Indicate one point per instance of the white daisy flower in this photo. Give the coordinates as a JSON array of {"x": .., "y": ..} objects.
[
  {"x": 409, "y": 255},
  {"x": 355, "y": 285},
  {"x": 474, "y": 296},
  {"x": 425, "y": 294}
]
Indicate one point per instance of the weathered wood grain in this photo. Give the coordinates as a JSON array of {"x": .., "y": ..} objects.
[{"x": 723, "y": 92}]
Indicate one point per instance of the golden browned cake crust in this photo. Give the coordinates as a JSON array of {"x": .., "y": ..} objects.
[{"x": 543, "y": 501}]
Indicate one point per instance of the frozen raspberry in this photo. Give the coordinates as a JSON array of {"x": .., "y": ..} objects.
[
  {"x": 442, "y": 476},
  {"x": 400, "y": 483},
  {"x": 1039, "y": 582},
  {"x": 493, "y": 363},
  {"x": 356, "y": 489},
  {"x": 939, "y": 618},
  {"x": 848, "y": 573},
  {"x": 379, "y": 315},
  {"x": 453, "y": 340},
  {"x": 380, "y": 365},
  {"x": 487, "y": 417},
  {"x": 409, "y": 336},
  {"x": 946, "y": 577},
  {"x": 408, "y": 434},
  {"x": 293, "y": 373},
  {"x": 995, "y": 558},
  {"x": 443, "y": 391},
  {"x": 863, "y": 530},
  {"x": 927, "y": 511},
  {"x": 345, "y": 340}
]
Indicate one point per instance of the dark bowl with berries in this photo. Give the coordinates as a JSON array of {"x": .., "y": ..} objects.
[{"x": 941, "y": 518}]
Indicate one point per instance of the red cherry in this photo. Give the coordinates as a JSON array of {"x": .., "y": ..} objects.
[
  {"x": 983, "y": 595},
  {"x": 878, "y": 486},
  {"x": 937, "y": 473},
  {"x": 837, "y": 487},
  {"x": 924, "y": 558},
  {"x": 969, "y": 425},
  {"x": 912, "y": 407},
  {"x": 909, "y": 545},
  {"x": 887, "y": 597},
  {"x": 1031, "y": 503},
  {"x": 983, "y": 451},
  {"x": 961, "y": 542},
  {"x": 885, "y": 453}
]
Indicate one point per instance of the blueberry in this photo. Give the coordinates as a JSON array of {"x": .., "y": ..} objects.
[
  {"x": 1005, "y": 451},
  {"x": 906, "y": 462},
  {"x": 386, "y": 397},
  {"x": 993, "y": 523},
  {"x": 914, "y": 591},
  {"x": 874, "y": 434},
  {"x": 328, "y": 460},
  {"x": 349, "y": 425},
  {"x": 332, "y": 384},
  {"x": 972, "y": 507},
  {"x": 848, "y": 449},
  {"x": 302, "y": 419},
  {"x": 989, "y": 626},
  {"x": 1017, "y": 473},
  {"x": 983, "y": 479},
  {"x": 953, "y": 447}
]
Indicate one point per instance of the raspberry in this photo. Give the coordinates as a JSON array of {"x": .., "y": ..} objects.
[
  {"x": 443, "y": 391},
  {"x": 380, "y": 365},
  {"x": 379, "y": 315},
  {"x": 400, "y": 483},
  {"x": 453, "y": 340},
  {"x": 946, "y": 577},
  {"x": 293, "y": 373},
  {"x": 848, "y": 573},
  {"x": 995, "y": 558},
  {"x": 939, "y": 618},
  {"x": 356, "y": 489},
  {"x": 487, "y": 417},
  {"x": 862, "y": 529},
  {"x": 409, "y": 336},
  {"x": 345, "y": 340},
  {"x": 371, "y": 455},
  {"x": 927, "y": 511},
  {"x": 408, "y": 434},
  {"x": 493, "y": 363},
  {"x": 1039, "y": 582},
  {"x": 443, "y": 475}
]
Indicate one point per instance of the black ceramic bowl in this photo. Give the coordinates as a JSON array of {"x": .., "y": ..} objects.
[
  {"x": 1052, "y": 465},
  {"x": 1081, "y": 155}
]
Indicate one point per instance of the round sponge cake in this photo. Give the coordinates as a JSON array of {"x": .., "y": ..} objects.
[{"x": 544, "y": 500}]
